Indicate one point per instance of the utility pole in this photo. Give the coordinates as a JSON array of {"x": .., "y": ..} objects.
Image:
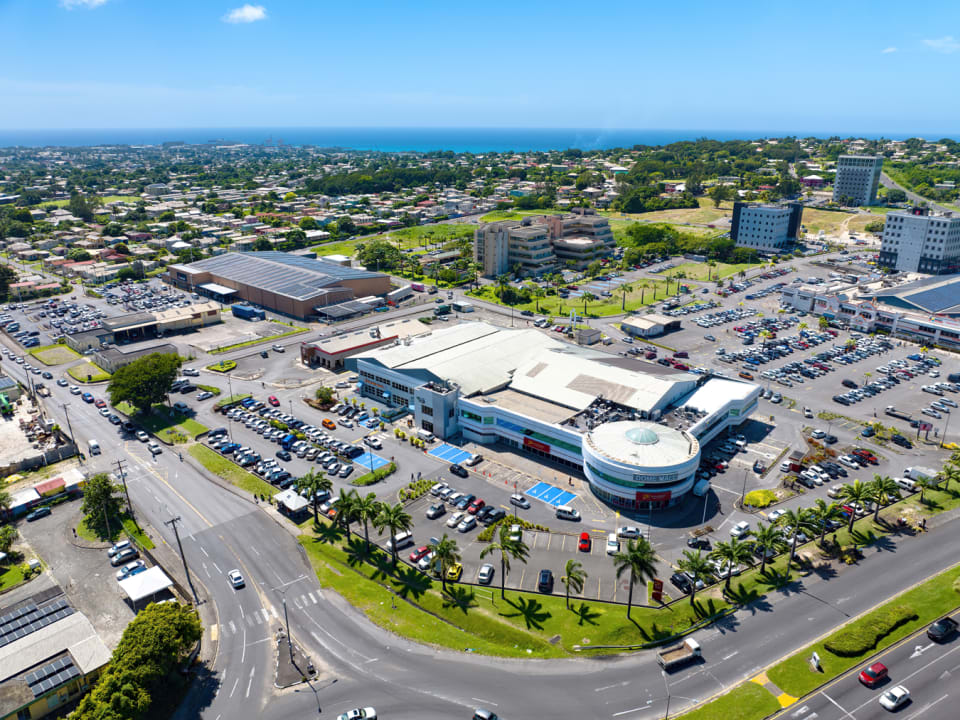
[
  {"x": 286, "y": 620},
  {"x": 172, "y": 522},
  {"x": 73, "y": 439},
  {"x": 123, "y": 479}
]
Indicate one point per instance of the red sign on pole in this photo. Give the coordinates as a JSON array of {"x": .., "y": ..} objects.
[
  {"x": 657, "y": 596},
  {"x": 658, "y": 585}
]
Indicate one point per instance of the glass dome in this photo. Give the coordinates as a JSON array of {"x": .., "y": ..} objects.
[{"x": 642, "y": 436}]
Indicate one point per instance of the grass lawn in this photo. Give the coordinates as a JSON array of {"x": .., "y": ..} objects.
[
  {"x": 10, "y": 577},
  {"x": 222, "y": 366},
  {"x": 522, "y": 625},
  {"x": 643, "y": 293},
  {"x": 747, "y": 701},
  {"x": 834, "y": 222},
  {"x": 230, "y": 399},
  {"x": 250, "y": 343},
  {"x": 208, "y": 388},
  {"x": 54, "y": 354},
  {"x": 698, "y": 271},
  {"x": 167, "y": 424},
  {"x": 124, "y": 522},
  {"x": 232, "y": 473},
  {"x": 87, "y": 372},
  {"x": 933, "y": 598},
  {"x": 106, "y": 199},
  {"x": 703, "y": 215}
]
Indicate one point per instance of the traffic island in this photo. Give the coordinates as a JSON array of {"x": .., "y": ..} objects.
[{"x": 293, "y": 665}]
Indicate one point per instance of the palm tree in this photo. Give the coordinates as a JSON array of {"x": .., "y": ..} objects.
[
  {"x": 347, "y": 508},
  {"x": 624, "y": 289},
  {"x": 509, "y": 549},
  {"x": 503, "y": 282},
  {"x": 538, "y": 294},
  {"x": 395, "y": 519},
  {"x": 732, "y": 554},
  {"x": 696, "y": 565},
  {"x": 799, "y": 519},
  {"x": 802, "y": 326},
  {"x": 855, "y": 493},
  {"x": 766, "y": 538},
  {"x": 823, "y": 513},
  {"x": 882, "y": 490},
  {"x": 925, "y": 483},
  {"x": 315, "y": 482},
  {"x": 5, "y": 500},
  {"x": 447, "y": 552},
  {"x": 587, "y": 297},
  {"x": 640, "y": 559},
  {"x": 574, "y": 577},
  {"x": 367, "y": 508}
]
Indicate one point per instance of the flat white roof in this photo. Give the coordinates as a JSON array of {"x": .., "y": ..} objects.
[
  {"x": 145, "y": 584},
  {"x": 643, "y": 444},
  {"x": 217, "y": 288}
]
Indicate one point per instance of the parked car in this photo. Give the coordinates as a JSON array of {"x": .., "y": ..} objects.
[{"x": 545, "y": 581}]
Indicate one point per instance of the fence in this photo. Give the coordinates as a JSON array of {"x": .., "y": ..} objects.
[{"x": 47, "y": 457}]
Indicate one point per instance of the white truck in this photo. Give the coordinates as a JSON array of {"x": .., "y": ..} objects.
[
  {"x": 670, "y": 658},
  {"x": 917, "y": 473}
]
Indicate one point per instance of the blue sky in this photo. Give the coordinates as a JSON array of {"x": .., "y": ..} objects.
[{"x": 823, "y": 67}]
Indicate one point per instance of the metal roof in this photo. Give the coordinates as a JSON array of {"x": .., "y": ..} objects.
[
  {"x": 938, "y": 294},
  {"x": 145, "y": 584},
  {"x": 293, "y": 276},
  {"x": 218, "y": 289}
]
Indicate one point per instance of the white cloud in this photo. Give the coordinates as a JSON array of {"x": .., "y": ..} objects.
[
  {"x": 90, "y": 4},
  {"x": 246, "y": 14},
  {"x": 887, "y": 51},
  {"x": 946, "y": 44}
]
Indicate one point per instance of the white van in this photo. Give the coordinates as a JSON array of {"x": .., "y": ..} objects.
[
  {"x": 565, "y": 512},
  {"x": 402, "y": 540},
  {"x": 701, "y": 488},
  {"x": 425, "y": 435},
  {"x": 906, "y": 484},
  {"x": 93, "y": 446}
]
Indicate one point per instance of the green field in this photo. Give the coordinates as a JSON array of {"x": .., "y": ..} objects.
[
  {"x": 641, "y": 294},
  {"x": 54, "y": 354},
  {"x": 11, "y": 576},
  {"x": 106, "y": 199},
  {"x": 167, "y": 424},
  {"x": 232, "y": 473},
  {"x": 411, "y": 238},
  {"x": 88, "y": 372},
  {"x": 699, "y": 271}
]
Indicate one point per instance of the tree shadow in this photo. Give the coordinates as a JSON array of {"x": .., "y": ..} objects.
[
  {"x": 704, "y": 611},
  {"x": 863, "y": 538},
  {"x": 727, "y": 624},
  {"x": 884, "y": 543},
  {"x": 459, "y": 596},
  {"x": 328, "y": 533},
  {"x": 530, "y": 610},
  {"x": 358, "y": 554},
  {"x": 748, "y": 599},
  {"x": 585, "y": 614},
  {"x": 411, "y": 582},
  {"x": 825, "y": 572}
]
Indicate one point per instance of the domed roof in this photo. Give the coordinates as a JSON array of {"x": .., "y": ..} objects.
[{"x": 642, "y": 436}]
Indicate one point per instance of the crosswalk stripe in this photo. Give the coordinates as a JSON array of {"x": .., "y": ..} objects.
[
  {"x": 233, "y": 628},
  {"x": 313, "y": 599}
]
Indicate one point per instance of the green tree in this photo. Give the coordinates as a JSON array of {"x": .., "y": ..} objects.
[
  {"x": 315, "y": 481},
  {"x": 573, "y": 578},
  {"x": 625, "y": 290},
  {"x": 261, "y": 244},
  {"x": 347, "y": 508},
  {"x": 5, "y": 500},
  {"x": 594, "y": 268},
  {"x": 308, "y": 223},
  {"x": 509, "y": 549},
  {"x": 587, "y": 297},
  {"x": 732, "y": 554},
  {"x": 924, "y": 483},
  {"x": 855, "y": 493},
  {"x": 379, "y": 255},
  {"x": 150, "y": 651},
  {"x": 146, "y": 381},
  {"x": 78, "y": 255},
  {"x": 367, "y": 508},
  {"x": 101, "y": 501},
  {"x": 325, "y": 394},
  {"x": 447, "y": 554},
  {"x": 823, "y": 323},
  {"x": 882, "y": 491},
  {"x": 639, "y": 560},
  {"x": 8, "y": 536},
  {"x": 82, "y": 207},
  {"x": 798, "y": 521},
  {"x": 719, "y": 193},
  {"x": 698, "y": 567},
  {"x": 395, "y": 519},
  {"x": 823, "y": 514},
  {"x": 767, "y": 538}
]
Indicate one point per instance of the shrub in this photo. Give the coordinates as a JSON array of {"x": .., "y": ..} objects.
[
  {"x": 760, "y": 498},
  {"x": 863, "y": 635},
  {"x": 222, "y": 366},
  {"x": 487, "y": 534},
  {"x": 416, "y": 489},
  {"x": 376, "y": 476}
]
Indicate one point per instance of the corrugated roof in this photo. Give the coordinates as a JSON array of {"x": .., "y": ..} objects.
[{"x": 292, "y": 276}]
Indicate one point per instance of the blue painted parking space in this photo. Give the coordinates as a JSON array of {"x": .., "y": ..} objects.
[
  {"x": 551, "y": 495},
  {"x": 368, "y": 461},
  {"x": 450, "y": 454}
]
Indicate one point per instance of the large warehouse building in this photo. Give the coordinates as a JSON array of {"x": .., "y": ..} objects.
[
  {"x": 635, "y": 434},
  {"x": 290, "y": 284}
]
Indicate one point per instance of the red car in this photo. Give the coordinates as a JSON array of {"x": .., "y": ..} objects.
[
  {"x": 475, "y": 506},
  {"x": 650, "y": 355},
  {"x": 100, "y": 403},
  {"x": 584, "y": 544},
  {"x": 273, "y": 401},
  {"x": 873, "y": 675},
  {"x": 419, "y": 553}
]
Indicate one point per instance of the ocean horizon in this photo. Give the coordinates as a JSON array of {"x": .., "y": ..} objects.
[{"x": 406, "y": 139}]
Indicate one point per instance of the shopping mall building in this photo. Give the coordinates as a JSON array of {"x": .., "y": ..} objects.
[{"x": 633, "y": 429}]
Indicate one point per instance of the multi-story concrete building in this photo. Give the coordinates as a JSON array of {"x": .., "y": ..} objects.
[
  {"x": 768, "y": 228},
  {"x": 916, "y": 241},
  {"x": 857, "y": 179}
]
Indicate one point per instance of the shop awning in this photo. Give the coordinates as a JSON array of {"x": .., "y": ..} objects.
[
  {"x": 217, "y": 289},
  {"x": 145, "y": 584}
]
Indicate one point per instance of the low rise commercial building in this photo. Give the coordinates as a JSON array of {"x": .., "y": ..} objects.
[
  {"x": 112, "y": 359},
  {"x": 649, "y": 325}
]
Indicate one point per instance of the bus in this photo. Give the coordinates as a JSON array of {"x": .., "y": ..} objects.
[
  {"x": 462, "y": 307},
  {"x": 417, "y": 287}
]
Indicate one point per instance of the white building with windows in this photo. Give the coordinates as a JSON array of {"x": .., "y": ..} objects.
[
  {"x": 857, "y": 179},
  {"x": 917, "y": 241},
  {"x": 767, "y": 228}
]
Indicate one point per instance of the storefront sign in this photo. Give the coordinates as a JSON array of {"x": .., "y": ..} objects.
[
  {"x": 653, "y": 497},
  {"x": 536, "y": 445}
]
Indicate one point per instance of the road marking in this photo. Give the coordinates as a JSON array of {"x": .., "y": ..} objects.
[
  {"x": 727, "y": 657},
  {"x": 233, "y": 628},
  {"x": 235, "y": 683},
  {"x": 254, "y": 549},
  {"x": 204, "y": 551},
  {"x": 214, "y": 632},
  {"x": 256, "y": 617},
  {"x": 243, "y": 651},
  {"x": 837, "y": 704},
  {"x": 241, "y": 611},
  {"x": 218, "y": 568},
  {"x": 485, "y": 702},
  {"x": 312, "y": 598},
  {"x": 608, "y": 687},
  {"x": 250, "y": 681},
  {"x": 919, "y": 650},
  {"x": 627, "y": 712}
]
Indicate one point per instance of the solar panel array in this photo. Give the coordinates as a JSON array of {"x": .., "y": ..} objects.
[
  {"x": 29, "y": 618},
  {"x": 52, "y": 675},
  {"x": 294, "y": 276}
]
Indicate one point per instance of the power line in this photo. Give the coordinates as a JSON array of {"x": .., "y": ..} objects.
[{"x": 172, "y": 522}]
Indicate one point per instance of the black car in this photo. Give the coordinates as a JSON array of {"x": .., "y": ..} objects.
[
  {"x": 283, "y": 454},
  {"x": 495, "y": 514},
  {"x": 849, "y": 383},
  {"x": 264, "y": 354},
  {"x": 463, "y": 502},
  {"x": 942, "y": 629},
  {"x": 698, "y": 543},
  {"x": 830, "y": 439},
  {"x": 682, "y": 583},
  {"x": 840, "y": 399},
  {"x": 47, "y": 376},
  {"x": 459, "y": 471},
  {"x": 545, "y": 581},
  {"x": 527, "y": 313},
  {"x": 38, "y": 513},
  {"x": 901, "y": 441}
]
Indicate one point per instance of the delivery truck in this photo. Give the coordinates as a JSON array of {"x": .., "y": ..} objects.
[{"x": 676, "y": 656}]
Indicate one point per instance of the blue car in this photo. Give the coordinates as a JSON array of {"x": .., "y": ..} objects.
[
  {"x": 38, "y": 513},
  {"x": 87, "y": 397}
]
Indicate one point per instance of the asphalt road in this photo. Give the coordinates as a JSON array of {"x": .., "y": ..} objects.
[{"x": 888, "y": 182}]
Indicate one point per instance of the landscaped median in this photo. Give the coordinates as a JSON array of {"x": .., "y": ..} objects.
[
  {"x": 223, "y": 366},
  {"x": 376, "y": 476},
  {"x": 169, "y": 425},
  {"x": 230, "y": 471},
  {"x": 858, "y": 640},
  {"x": 476, "y": 618},
  {"x": 258, "y": 341}
]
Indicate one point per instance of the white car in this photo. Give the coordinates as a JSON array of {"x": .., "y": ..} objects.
[
  {"x": 373, "y": 442},
  {"x": 236, "y": 579},
  {"x": 775, "y": 515},
  {"x": 455, "y": 519},
  {"x": 142, "y": 436},
  {"x": 191, "y": 372},
  {"x": 613, "y": 544},
  {"x": 131, "y": 569},
  {"x": 485, "y": 576},
  {"x": 74, "y": 390},
  {"x": 741, "y": 529},
  {"x": 367, "y": 713},
  {"x": 807, "y": 412},
  {"x": 278, "y": 348},
  {"x": 817, "y": 434},
  {"x": 467, "y": 524},
  {"x": 154, "y": 448},
  {"x": 629, "y": 531},
  {"x": 895, "y": 698}
]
